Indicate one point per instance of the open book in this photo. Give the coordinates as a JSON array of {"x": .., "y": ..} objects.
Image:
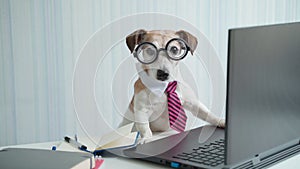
[{"x": 119, "y": 138}]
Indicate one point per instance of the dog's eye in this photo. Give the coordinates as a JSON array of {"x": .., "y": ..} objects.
[
  {"x": 174, "y": 50},
  {"x": 150, "y": 51}
]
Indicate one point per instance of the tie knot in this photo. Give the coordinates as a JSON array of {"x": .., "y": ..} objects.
[{"x": 171, "y": 87}]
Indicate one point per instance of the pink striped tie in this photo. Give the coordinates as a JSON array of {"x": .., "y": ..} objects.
[{"x": 177, "y": 115}]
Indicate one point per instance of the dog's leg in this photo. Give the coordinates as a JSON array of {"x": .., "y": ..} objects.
[
  {"x": 144, "y": 129},
  {"x": 142, "y": 125},
  {"x": 201, "y": 111},
  {"x": 142, "y": 113}
]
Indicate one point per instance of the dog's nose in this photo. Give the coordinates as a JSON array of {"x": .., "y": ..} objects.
[{"x": 162, "y": 75}]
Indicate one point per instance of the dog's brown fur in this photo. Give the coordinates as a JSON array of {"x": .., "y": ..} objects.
[{"x": 142, "y": 35}]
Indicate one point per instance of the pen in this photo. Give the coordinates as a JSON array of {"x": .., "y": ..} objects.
[
  {"x": 54, "y": 147},
  {"x": 75, "y": 144}
]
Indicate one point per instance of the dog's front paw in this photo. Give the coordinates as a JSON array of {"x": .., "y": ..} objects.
[
  {"x": 221, "y": 123},
  {"x": 143, "y": 140},
  {"x": 145, "y": 132},
  {"x": 145, "y": 136}
]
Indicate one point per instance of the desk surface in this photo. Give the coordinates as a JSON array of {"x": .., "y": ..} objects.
[{"x": 116, "y": 162}]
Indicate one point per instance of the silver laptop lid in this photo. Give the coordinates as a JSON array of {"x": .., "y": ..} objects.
[{"x": 263, "y": 99}]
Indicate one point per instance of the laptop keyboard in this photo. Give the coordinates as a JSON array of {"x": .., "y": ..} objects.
[{"x": 211, "y": 154}]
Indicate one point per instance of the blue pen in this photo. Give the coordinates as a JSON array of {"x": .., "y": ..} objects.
[
  {"x": 75, "y": 144},
  {"x": 54, "y": 147}
]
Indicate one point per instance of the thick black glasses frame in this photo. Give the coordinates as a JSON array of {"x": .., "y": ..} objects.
[{"x": 161, "y": 49}]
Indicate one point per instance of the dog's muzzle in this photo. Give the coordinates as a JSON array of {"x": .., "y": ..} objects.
[{"x": 162, "y": 75}]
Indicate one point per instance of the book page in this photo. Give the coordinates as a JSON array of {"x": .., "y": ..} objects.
[
  {"x": 124, "y": 141},
  {"x": 116, "y": 134}
]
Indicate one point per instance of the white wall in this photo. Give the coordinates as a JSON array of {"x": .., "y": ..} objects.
[{"x": 41, "y": 39}]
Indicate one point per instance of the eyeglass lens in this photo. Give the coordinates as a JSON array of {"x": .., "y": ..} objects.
[{"x": 148, "y": 53}]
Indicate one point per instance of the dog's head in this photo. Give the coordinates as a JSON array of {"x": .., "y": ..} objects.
[{"x": 160, "y": 50}]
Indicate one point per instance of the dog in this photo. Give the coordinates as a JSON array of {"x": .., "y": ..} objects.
[{"x": 159, "y": 53}]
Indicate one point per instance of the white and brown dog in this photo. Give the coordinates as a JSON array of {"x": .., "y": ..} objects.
[{"x": 158, "y": 53}]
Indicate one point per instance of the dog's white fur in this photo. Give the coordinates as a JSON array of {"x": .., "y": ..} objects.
[{"x": 149, "y": 111}]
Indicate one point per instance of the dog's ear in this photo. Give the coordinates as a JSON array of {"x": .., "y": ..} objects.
[
  {"x": 135, "y": 38},
  {"x": 189, "y": 39}
]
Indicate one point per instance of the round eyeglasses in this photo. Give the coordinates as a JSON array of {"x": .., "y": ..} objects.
[{"x": 147, "y": 52}]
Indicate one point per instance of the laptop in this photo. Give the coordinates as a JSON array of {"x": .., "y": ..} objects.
[{"x": 262, "y": 107}]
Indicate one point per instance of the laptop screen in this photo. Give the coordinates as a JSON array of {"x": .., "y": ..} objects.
[{"x": 263, "y": 99}]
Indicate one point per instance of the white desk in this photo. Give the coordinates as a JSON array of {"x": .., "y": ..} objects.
[{"x": 116, "y": 162}]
